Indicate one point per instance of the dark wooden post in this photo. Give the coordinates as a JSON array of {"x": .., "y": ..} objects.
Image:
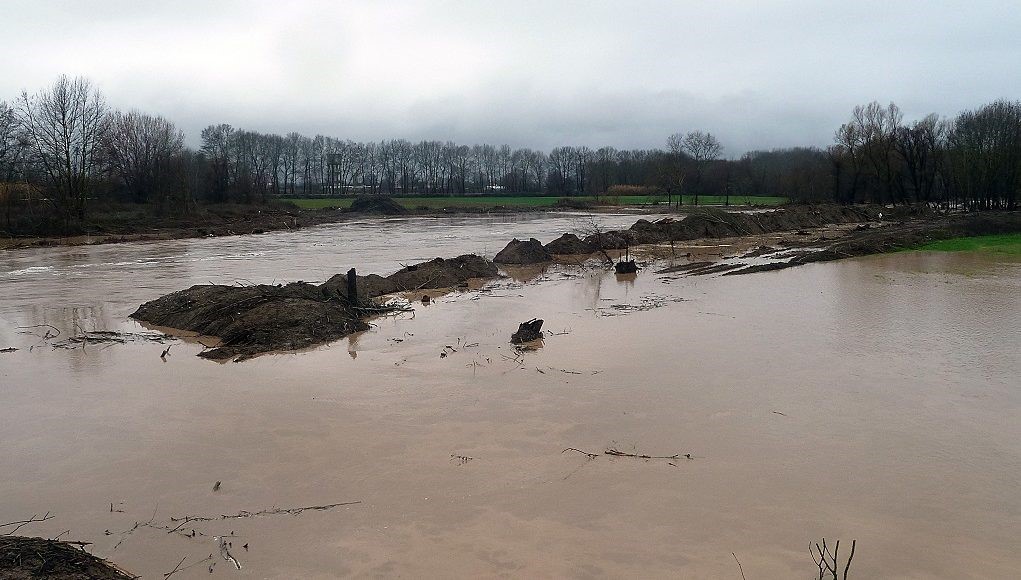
[{"x": 352, "y": 287}]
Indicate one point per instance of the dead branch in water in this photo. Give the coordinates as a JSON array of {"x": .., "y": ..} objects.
[
  {"x": 829, "y": 562},
  {"x": 739, "y": 566},
  {"x": 590, "y": 455},
  {"x": 22, "y": 523},
  {"x": 176, "y": 568},
  {"x": 265, "y": 512},
  {"x": 616, "y": 453},
  {"x": 192, "y": 565},
  {"x": 47, "y": 326}
]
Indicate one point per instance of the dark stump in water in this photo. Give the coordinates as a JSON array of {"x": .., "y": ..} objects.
[
  {"x": 528, "y": 331},
  {"x": 628, "y": 267}
]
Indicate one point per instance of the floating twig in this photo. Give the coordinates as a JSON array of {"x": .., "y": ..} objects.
[
  {"x": 617, "y": 453},
  {"x": 22, "y": 523},
  {"x": 590, "y": 455}
]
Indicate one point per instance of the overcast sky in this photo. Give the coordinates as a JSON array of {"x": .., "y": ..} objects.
[{"x": 627, "y": 73}]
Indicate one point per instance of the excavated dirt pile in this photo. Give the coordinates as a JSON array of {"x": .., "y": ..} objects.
[
  {"x": 569, "y": 245},
  {"x": 523, "y": 252},
  {"x": 250, "y": 320},
  {"x": 378, "y": 205},
  {"x": 23, "y": 558},
  {"x": 714, "y": 223}
]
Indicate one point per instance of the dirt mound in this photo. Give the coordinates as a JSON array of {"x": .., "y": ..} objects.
[
  {"x": 614, "y": 240},
  {"x": 371, "y": 286},
  {"x": 251, "y": 320},
  {"x": 443, "y": 273},
  {"x": 521, "y": 252},
  {"x": 377, "y": 204},
  {"x": 23, "y": 558},
  {"x": 568, "y": 244},
  {"x": 715, "y": 223}
]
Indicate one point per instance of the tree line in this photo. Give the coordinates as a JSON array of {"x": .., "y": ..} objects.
[{"x": 63, "y": 150}]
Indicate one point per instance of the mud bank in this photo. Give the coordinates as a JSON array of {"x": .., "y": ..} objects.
[
  {"x": 867, "y": 239},
  {"x": 714, "y": 223},
  {"x": 23, "y": 557},
  {"x": 251, "y": 320}
]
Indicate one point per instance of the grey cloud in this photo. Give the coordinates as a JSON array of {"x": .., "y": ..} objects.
[{"x": 759, "y": 74}]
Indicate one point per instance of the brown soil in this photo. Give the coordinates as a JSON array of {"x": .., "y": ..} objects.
[
  {"x": 251, "y": 320},
  {"x": 22, "y": 558},
  {"x": 893, "y": 237},
  {"x": 523, "y": 252},
  {"x": 569, "y": 245},
  {"x": 714, "y": 223},
  {"x": 378, "y": 205}
]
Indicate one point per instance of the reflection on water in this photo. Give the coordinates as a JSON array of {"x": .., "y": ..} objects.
[{"x": 873, "y": 398}]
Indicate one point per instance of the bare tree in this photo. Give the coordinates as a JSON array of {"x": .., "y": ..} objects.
[
  {"x": 13, "y": 147},
  {"x": 65, "y": 125},
  {"x": 143, "y": 152},
  {"x": 703, "y": 148}
]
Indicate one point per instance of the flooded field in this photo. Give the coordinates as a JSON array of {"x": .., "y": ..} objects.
[{"x": 875, "y": 398}]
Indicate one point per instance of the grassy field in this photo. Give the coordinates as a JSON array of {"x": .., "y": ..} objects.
[
  {"x": 534, "y": 201},
  {"x": 999, "y": 244}
]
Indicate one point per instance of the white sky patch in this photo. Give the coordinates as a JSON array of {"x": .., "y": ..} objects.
[{"x": 528, "y": 73}]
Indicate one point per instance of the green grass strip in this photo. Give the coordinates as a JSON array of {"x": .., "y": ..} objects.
[{"x": 999, "y": 244}]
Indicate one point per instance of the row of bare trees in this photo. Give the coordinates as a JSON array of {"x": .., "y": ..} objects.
[
  {"x": 971, "y": 161},
  {"x": 63, "y": 149},
  {"x": 250, "y": 166}
]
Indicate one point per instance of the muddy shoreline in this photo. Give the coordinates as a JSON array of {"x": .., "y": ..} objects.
[{"x": 217, "y": 221}]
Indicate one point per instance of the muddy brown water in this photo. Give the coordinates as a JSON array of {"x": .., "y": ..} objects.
[{"x": 896, "y": 376}]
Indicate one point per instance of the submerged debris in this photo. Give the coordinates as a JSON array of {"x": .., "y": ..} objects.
[
  {"x": 626, "y": 267},
  {"x": 528, "y": 332},
  {"x": 110, "y": 336}
]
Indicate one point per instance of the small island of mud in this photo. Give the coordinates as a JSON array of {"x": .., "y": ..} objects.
[{"x": 251, "y": 320}]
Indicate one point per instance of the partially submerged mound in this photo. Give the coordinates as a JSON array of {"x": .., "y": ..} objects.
[
  {"x": 369, "y": 287},
  {"x": 568, "y": 244},
  {"x": 523, "y": 252},
  {"x": 251, "y": 320},
  {"x": 443, "y": 273},
  {"x": 715, "y": 223},
  {"x": 22, "y": 557},
  {"x": 377, "y": 204}
]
